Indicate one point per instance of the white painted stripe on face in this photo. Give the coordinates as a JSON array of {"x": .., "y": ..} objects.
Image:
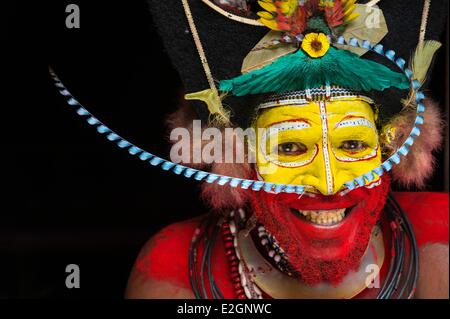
[
  {"x": 294, "y": 163},
  {"x": 372, "y": 154},
  {"x": 272, "y": 132},
  {"x": 355, "y": 122},
  {"x": 288, "y": 126},
  {"x": 326, "y": 153}
]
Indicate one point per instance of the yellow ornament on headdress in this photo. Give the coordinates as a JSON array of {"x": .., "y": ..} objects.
[{"x": 315, "y": 44}]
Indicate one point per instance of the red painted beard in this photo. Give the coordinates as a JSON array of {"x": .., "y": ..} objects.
[{"x": 322, "y": 253}]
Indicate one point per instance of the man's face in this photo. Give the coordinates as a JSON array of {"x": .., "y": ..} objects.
[{"x": 321, "y": 145}]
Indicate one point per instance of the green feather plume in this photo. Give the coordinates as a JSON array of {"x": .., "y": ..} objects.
[{"x": 298, "y": 71}]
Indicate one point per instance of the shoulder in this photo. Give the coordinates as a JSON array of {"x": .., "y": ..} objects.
[
  {"x": 163, "y": 263},
  {"x": 428, "y": 213},
  {"x": 433, "y": 272},
  {"x": 424, "y": 200}
]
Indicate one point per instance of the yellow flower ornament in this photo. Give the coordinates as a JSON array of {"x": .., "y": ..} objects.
[{"x": 315, "y": 44}]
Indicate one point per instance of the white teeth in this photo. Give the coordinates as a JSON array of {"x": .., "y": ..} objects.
[{"x": 324, "y": 217}]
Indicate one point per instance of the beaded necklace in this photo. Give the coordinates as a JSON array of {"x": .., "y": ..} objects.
[{"x": 400, "y": 282}]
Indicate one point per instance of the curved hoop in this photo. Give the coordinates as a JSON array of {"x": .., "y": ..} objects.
[
  {"x": 164, "y": 164},
  {"x": 257, "y": 185},
  {"x": 415, "y": 131}
]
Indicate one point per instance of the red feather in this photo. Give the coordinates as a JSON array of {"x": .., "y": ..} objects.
[
  {"x": 298, "y": 21},
  {"x": 334, "y": 15}
]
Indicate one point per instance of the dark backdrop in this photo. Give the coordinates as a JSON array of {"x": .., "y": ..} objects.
[{"x": 70, "y": 196}]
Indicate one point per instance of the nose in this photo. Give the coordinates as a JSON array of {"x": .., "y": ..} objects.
[{"x": 322, "y": 174}]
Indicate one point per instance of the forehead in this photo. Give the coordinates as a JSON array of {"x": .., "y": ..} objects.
[{"x": 311, "y": 111}]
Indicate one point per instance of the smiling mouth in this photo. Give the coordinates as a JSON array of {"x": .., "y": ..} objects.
[{"x": 329, "y": 217}]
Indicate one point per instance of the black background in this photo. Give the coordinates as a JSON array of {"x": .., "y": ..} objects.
[{"x": 70, "y": 195}]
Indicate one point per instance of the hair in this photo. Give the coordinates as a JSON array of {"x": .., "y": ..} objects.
[{"x": 415, "y": 168}]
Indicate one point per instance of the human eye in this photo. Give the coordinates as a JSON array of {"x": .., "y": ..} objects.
[
  {"x": 291, "y": 148},
  {"x": 353, "y": 146}
]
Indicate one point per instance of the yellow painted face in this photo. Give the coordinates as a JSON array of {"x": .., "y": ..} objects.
[{"x": 321, "y": 144}]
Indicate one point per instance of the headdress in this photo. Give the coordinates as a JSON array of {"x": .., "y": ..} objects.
[{"x": 316, "y": 49}]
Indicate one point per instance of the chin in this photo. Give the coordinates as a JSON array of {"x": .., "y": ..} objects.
[{"x": 324, "y": 236}]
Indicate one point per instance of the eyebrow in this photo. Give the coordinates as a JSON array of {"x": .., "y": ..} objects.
[
  {"x": 354, "y": 121},
  {"x": 291, "y": 120}
]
